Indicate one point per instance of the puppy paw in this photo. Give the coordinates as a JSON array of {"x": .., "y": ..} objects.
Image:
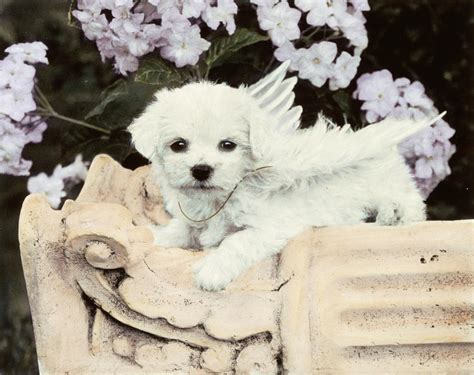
[
  {"x": 390, "y": 214},
  {"x": 213, "y": 273}
]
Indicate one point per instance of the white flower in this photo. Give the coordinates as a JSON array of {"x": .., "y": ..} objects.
[
  {"x": 193, "y": 8},
  {"x": 17, "y": 126},
  {"x": 442, "y": 131},
  {"x": 16, "y": 75},
  {"x": 12, "y": 141},
  {"x": 126, "y": 22},
  {"x": 360, "y": 5},
  {"x": 344, "y": 71},
  {"x": 76, "y": 171},
  {"x": 287, "y": 52},
  {"x": 337, "y": 10},
  {"x": 173, "y": 21},
  {"x": 315, "y": 62},
  {"x": 52, "y": 187},
  {"x": 353, "y": 28},
  {"x": 154, "y": 35},
  {"x": 106, "y": 48},
  {"x": 402, "y": 83},
  {"x": 91, "y": 5},
  {"x": 116, "y": 4},
  {"x": 415, "y": 96},
  {"x": 281, "y": 22},
  {"x": 28, "y": 52},
  {"x": 16, "y": 104},
  {"x": 125, "y": 63},
  {"x": 185, "y": 49},
  {"x": 319, "y": 11},
  {"x": 96, "y": 28},
  {"x": 405, "y": 113},
  {"x": 435, "y": 164},
  {"x": 222, "y": 13},
  {"x": 163, "y": 6}
]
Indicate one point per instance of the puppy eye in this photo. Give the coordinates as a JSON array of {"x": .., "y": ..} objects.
[
  {"x": 179, "y": 145},
  {"x": 227, "y": 146}
]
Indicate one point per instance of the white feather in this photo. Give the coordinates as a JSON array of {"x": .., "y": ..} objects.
[
  {"x": 274, "y": 94},
  {"x": 325, "y": 149}
]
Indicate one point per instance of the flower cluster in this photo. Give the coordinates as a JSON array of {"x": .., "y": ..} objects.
[
  {"x": 18, "y": 126},
  {"x": 56, "y": 185},
  {"x": 428, "y": 152},
  {"x": 319, "y": 62},
  {"x": 128, "y": 29}
]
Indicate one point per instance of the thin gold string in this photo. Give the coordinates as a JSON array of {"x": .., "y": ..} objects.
[{"x": 225, "y": 201}]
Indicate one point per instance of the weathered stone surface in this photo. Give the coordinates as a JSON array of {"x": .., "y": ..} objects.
[
  {"x": 361, "y": 299},
  {"x": 256, "y": 359}
]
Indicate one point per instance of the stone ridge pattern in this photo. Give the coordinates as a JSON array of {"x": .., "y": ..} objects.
[{"x": 359, "y": 299}]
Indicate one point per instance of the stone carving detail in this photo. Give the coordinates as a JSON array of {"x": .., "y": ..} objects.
[{"x": 105, "y": 300}]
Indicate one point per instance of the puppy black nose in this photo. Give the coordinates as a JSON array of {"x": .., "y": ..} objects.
[{"x": 201, "y": 172}]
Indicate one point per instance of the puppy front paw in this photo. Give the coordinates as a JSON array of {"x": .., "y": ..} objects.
[
  {"x": 389, "y": 214},
  {"x": 213, "y": 273}
]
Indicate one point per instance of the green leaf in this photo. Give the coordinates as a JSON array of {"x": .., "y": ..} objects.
[
  {"x": 223, "y": 48},
  {"x": 156, "y": 71},
  {"x": 111, "y": 93}
]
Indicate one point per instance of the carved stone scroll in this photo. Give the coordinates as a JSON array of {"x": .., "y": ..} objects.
[{"x": 360, "y": 299}]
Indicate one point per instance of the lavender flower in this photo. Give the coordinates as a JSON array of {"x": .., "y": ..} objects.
[
  {"x": 223, "y": 13},
  {"x": 17, "y": 126},
  {"x": 427, "y": 153},
  {"x": 132, "y": 32},
  {"x": 31, "y": 53},
  {"x": 379, "y": 93},
  {"x": 185, "y": 48},
  {"x": 344, "y": 17}
]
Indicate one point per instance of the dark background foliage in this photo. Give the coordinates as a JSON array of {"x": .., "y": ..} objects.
[{"x": 424, "y": 40}]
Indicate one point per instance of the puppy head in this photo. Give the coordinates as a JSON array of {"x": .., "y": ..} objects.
[{"x": 199, "y": 136}]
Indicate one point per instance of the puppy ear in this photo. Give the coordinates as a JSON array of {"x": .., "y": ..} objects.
[{"x": 145, "y": 129}]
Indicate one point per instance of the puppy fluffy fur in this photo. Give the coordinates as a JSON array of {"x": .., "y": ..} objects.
[{"x": 319, "y": 176}]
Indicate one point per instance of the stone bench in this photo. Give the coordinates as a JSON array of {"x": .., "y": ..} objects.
[{"x": 359, "y": 299}]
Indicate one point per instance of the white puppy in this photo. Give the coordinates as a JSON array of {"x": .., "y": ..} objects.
[{"x": 237, "y": 178}]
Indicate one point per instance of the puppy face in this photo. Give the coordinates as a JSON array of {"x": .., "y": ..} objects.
[{"x": 199, "y": 135}]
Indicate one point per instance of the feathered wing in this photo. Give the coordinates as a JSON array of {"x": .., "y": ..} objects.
[
  {"x": 274, "y": 94},
  {"x": 326, "y": 149}
]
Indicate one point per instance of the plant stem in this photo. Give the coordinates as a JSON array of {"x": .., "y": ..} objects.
[
  {"x": 206, "y": 74},
  {"x": 48, "y": 111},
  {"x": 79, "y": 122},
  {"x": 198, "y": 73},
  {"x": 313, "y": 33},
  {"x": 42, "y": 98},
  {"x": 267, "y": 68},
  {"x": 334, "y": 36}
]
